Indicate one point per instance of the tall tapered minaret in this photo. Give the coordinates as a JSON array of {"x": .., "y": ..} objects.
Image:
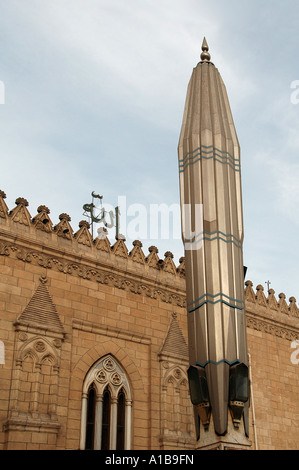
[{"x": 212, "y": 230}]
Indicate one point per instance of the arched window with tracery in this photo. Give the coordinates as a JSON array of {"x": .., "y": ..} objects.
[
  {"x": 121, "y": 420},
  {"x": 106, "y": 419},
  {"x": 106, "y": 407},
  {"x": 90, "y": 419}
]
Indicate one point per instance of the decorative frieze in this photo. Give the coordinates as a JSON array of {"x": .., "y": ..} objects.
[{"x": 106, "y": 276}]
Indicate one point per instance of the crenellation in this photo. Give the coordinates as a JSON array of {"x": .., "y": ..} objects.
[
  {"x": 282, "y": 305},
  {"x": 41, "y": 224},
  {"x": 136, "y": 254},
  {"x": 271, "y": 303},
  {"x": 63, "y": 229},
  {"x": 3, "y": 206},
  {"x": 293, "y": 309},
  {"x": 20, "y": 213},
  {"x": 42, "y": 220},
  {"x": 83, "y": 235}
]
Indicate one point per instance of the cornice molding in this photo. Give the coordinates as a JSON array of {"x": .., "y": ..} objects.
[
  {"x": 273, "y": 327},
  {"x": 86, "y": 268}
]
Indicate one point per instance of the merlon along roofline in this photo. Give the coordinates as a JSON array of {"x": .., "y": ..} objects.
[{"x": 19, "y": 218}]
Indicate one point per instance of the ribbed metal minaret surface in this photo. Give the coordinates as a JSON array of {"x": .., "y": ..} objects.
[{"x": 210, "y": 179}]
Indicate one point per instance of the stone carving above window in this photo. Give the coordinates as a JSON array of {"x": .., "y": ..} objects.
[
  {"x": 109, "y": 364},
  {"x": 107, "y": 372}
]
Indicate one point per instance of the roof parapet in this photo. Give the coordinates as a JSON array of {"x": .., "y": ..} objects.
[{"x": 82, "y": 238}]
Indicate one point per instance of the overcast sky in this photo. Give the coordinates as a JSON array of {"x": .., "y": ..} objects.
[{"x": 94, "y": 99}]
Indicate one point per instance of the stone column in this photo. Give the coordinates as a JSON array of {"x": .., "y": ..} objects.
[
  {"x": 35, "y": 384},
  {"x": 83, "y": 421},
  {"x": 98, "y": 423},
  {"x": 113, "y": 423},
  {"x": 128, "y": 424}
]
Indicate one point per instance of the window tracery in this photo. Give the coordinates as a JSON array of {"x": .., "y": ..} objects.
[{"x": 106, "y": 407}]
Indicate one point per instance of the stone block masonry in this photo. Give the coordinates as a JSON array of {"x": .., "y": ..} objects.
[{"x": 68, "y": 301}]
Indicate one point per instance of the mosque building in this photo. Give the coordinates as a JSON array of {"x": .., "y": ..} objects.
[{"x": 94, "y": 335}]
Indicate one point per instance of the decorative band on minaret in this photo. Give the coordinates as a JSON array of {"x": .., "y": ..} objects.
[{"x": 210, "y": 189}]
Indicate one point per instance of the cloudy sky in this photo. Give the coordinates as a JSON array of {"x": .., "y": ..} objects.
[{"x": 94, "y": 98}]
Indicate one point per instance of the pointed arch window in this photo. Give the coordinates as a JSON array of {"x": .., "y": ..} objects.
[
  {"x": 106, "y": 419},
  {"x": 90, "y": 419},
  {"x": 121, "y": 420},
  {"x": 106, "y": 407}
]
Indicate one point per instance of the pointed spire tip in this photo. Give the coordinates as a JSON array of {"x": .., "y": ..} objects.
[
  {"x": 204, "y": 46},
  {"x": 205, "y": 55}
]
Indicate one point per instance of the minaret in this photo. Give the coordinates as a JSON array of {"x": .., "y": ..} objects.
[{"x": 212, "y": 231}]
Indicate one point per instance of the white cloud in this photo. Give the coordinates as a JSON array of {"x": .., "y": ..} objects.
[
  {"x": 95, "y": 91},
  {"x": 128, "y": 50}
]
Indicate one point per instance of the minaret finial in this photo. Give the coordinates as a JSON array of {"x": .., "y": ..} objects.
[{"x": 205, "y": 55}]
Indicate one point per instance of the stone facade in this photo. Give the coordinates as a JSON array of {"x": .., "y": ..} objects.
[
  {"x": 70, "y": 304},
  {"x": 272, "y": 331}
]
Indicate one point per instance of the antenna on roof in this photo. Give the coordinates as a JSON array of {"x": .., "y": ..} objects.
[{"x": 268, "y": 285}]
